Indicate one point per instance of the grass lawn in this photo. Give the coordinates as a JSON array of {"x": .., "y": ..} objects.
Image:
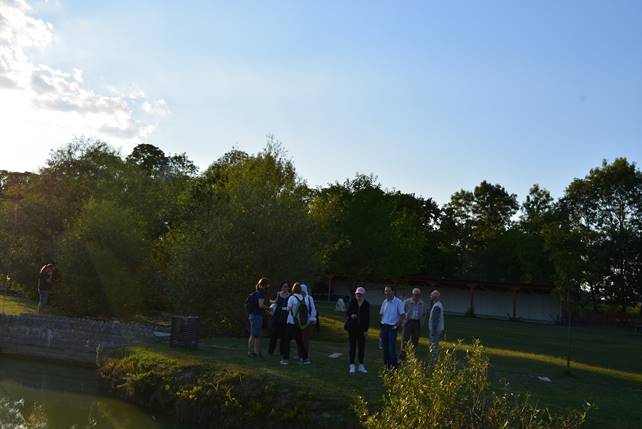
[
  {"x": 606, "y": 371},
  {"x": 10, "y": 304},
  {"x": 606, "y": 367}
]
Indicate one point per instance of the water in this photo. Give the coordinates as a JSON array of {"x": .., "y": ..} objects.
[{"x": 40, "y": 395}]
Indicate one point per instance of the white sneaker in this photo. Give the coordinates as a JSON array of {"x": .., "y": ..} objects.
[
  {"x": 352, "y": 368},
  {"x": 284, "y": 362},
  {"x": 362, "y": 369}
]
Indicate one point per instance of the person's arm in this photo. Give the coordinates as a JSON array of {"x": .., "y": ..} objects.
[
  {"x": 402, "y": 314},
  {"x": 261, "y": 302},
  {"x": 436, "y": 315},
  {"x": 313, "y": 310},
  {"x": 366, "y": 312}
]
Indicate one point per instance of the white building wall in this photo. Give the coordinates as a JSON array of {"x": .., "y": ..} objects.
[
  {"x": 488, "y": 303},
  {"x": 537, "y": 306},
  {"x": 492, "y": 303},
  {"x": 455, "y": 301}
]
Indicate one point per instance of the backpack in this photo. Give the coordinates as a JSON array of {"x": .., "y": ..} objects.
[
  {"x": 301, "y": 314},
  {"x": 251, "y": 303}
]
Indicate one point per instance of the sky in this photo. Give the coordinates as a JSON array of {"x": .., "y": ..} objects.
[{"x": 430, "y": 97}]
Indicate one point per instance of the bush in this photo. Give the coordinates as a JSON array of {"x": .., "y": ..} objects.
[
  {"x": 456, "y": 393},
  {"x": 102, "y": 262},
  {"x": 250, "y": 220}
]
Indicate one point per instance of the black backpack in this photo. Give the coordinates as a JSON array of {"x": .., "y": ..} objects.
[
  {"x": 301, "y": 314},
  {"x": 251, "y": 303}
]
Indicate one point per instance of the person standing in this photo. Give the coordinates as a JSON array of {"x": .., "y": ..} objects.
[
  {"x": 357, "y": 324},
  {"x": 392, "y": 316},
  {"x": 435, "y": 322},
  {"x": 45, "y": 280},
  {"x": 280, "y": 319},
  {"x": 256, "y": 308},
  {"x": 306, "y": 332},
  {"x": 416, "y": 310},
  {"x": 294, "y": 329}
]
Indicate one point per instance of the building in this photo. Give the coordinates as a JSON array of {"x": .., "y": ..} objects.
[{"x": 517, "y": 301}]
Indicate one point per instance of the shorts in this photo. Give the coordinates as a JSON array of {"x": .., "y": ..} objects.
[
  {"x": 256, "y": 325},
  {"x": 44, "y": 296}
]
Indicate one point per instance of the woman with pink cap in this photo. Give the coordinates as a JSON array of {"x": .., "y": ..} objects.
[{"x": 357, "y": 325}]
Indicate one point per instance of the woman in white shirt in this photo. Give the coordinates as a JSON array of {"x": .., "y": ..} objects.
[
  {"x": 294, "y": 330},
  {"x": 312, "y": 320}
]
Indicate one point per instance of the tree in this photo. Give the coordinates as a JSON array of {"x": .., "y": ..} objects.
[
  {"x": 253, "y": 222},
  {"x": 369, "y": 233},
  {"x": 473, "y": 224},
  {"x": 102, "y": 261},
  {"x": 605, "y": 208}
]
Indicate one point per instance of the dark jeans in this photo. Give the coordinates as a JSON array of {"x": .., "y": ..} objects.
[
  {"x": 294, "y": 332},
  {"x": 357, "y": 340},
  {"x": 389, "y": 334},
  {"x": 411, "y": 331},
  {"x": 279, "y": 333}
]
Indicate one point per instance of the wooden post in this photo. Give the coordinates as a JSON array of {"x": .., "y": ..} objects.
[
  {"x": 471, "y": 307},
  {"x": 330, "y": 276}
]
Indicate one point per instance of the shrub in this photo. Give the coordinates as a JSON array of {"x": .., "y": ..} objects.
[
  {"x": 456, "y": 393},
  {"x": 102, "y": 262}
]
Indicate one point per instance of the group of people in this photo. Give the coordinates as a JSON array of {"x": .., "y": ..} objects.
[
  {"x": 409, "y": 315},
  {"x": 294, "y": 317}
]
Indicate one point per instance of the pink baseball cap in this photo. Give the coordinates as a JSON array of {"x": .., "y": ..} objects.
[{"x": 360, "y": 290}]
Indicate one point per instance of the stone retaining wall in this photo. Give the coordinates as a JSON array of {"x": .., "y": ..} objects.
[{"x": 71, "y": 340}]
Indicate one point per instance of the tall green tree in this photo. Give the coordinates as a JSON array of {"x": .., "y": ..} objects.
[
  {"x": 605, "y": 209},
  {"x": 370, "y": 233},
  {"x": 249, "y": 218}
]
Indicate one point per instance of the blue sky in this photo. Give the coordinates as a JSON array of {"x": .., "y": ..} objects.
[{"x": 430, "y": 97}]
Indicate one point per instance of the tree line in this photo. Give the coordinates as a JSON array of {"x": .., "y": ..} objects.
[{"x": 148, "y": 231}]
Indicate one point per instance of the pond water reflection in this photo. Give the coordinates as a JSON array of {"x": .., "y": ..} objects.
[{"x": 40, "y": 395}]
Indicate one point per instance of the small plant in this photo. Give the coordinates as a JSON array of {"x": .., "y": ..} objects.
[{"x": 455, "y": 392}]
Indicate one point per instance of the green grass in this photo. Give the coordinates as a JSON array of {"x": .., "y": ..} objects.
[
  {"x": 606, "y": 362},
  {"x": 10, "y": 304},
  {"x": 606, "y": 367}
]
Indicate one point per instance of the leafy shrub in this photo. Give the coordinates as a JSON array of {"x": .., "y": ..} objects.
[
  {"x": 102, "y": 262},
  {"x": 250, "y": 220},
  {"x": 456, "y": 393}
]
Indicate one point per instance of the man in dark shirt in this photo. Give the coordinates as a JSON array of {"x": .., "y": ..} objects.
[{"x": 257, "y": 310}]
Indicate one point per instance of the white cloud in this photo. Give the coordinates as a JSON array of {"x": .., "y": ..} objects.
[{"x": 42, "y": 107}]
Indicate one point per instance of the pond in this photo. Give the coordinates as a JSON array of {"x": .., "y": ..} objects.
[{"x": 35, "y": 394}]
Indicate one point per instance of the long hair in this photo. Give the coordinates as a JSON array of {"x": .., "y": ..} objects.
[
  {"x": 263, "y": 282},
  {"x": 296, "y": 288},
  {"x": 44, "y": 267}
]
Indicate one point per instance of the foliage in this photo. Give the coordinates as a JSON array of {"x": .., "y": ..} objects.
[
  {"x": 102, "y": 258},
  {"x": 248, "y": 218},
  {"x": 219, "y": 396},
  {"x": 371, "y": 233},
  {"x": 455, "y": 393}
]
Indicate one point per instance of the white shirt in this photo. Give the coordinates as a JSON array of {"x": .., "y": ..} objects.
[
  {"x": 293, "y": 302},
  {"x": 436, "y": 324},
  {"x": 312, "y": 309},
  {"x": 391, "y": 311}
]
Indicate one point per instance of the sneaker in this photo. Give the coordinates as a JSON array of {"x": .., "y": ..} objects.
[
  {"x": 352, "y": 368},
  {"x": 362, "y": 369},
  {"x": 307, "y": 362},
  {"x": 284, "y": 362}
]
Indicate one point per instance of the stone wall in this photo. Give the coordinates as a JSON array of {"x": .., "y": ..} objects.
[{"x": 71, "y": 340}]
